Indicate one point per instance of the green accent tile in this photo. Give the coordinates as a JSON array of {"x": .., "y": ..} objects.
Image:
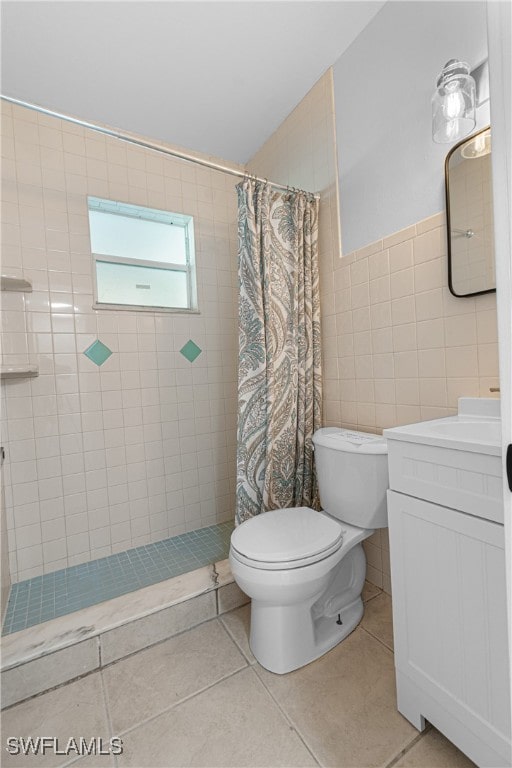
[
  {"x": 98, "y": 352},
  {"x": 190, "y": 351}
]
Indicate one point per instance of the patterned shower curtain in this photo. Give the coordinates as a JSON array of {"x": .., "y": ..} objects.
[{"x": 279, "y": 380}]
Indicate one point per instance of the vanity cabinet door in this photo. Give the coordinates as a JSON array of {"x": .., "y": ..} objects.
[{"x": 449, "y": 612}]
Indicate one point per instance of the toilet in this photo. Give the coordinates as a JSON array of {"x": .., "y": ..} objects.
[{"x": 304, "y": 570}]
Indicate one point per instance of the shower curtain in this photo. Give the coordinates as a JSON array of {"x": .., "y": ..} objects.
[{"x": 279, "y": 380}]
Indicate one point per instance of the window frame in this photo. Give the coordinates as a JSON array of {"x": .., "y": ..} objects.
[{"x": 189, "y": 268}]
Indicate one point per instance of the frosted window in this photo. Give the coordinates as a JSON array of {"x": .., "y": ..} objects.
[{"x": 143, "y": 257}]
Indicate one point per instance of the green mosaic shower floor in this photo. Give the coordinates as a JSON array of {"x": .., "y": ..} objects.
[{"x": 56, "y": 594}]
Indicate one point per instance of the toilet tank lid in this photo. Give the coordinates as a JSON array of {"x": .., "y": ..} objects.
[{"x": 350, "y": 441}]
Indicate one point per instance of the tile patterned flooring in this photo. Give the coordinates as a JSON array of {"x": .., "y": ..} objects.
[
  {"x": 80, "y": 586},
  {"x": 201, "y": 699}
]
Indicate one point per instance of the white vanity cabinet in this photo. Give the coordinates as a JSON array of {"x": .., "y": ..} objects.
[{"x": 449, "y": 590}]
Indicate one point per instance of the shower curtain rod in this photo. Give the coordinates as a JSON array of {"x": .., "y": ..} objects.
[{"x": 147, "y": 144}]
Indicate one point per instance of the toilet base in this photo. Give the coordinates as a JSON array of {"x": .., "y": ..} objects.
[
  {"x": 286, "y": 637},
  {"x": 327, "y": 634}
]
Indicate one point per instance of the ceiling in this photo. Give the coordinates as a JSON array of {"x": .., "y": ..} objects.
[{"x": 218, "y": 77}]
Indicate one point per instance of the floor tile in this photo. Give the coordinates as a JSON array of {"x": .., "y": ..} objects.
[
  {"x": 235, "y": 723},
  {"x": 154, "y": 680},
  {"x": 433, "y": 750},
  {"x": 74, "y": 710},
  {"x": 370, "y": 591},
  {"x": 344, "y": 704},
  {"x": 378, "y": 619},
  {"x": 93, "y": 761},
  {"x": 238, "y": 625}
]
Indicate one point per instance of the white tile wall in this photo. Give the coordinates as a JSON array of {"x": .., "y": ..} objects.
[
  {"x": 405, "y": 348},
  {"x": 142, "y": 448}
]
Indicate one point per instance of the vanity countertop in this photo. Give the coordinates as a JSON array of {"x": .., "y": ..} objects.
[{"x": 475, "y": 428}]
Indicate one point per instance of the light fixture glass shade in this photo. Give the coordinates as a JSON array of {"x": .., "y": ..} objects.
[
  {"x": 453, "y": 103},
  {"x": 478, "y": 146}
]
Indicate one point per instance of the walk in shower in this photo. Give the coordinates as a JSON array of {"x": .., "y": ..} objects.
[{"x": 119, "y": 424}]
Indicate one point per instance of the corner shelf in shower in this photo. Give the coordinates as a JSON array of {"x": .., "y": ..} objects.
[
  {"x": 17, "y": 370},
  {"x": 28, "y": 371},
  {"x": 15, "y": 283}
]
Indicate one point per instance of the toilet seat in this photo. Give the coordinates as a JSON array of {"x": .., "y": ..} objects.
[{"x": 286, "y": 538}]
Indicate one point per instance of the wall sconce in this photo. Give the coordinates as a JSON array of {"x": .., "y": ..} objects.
[{"x": 453, "y": 103}]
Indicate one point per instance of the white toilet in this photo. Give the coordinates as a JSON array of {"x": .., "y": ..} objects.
[{"x": 305, "y": 570}]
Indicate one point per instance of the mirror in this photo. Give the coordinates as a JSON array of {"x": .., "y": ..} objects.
[{"x": 469, "y": 216}]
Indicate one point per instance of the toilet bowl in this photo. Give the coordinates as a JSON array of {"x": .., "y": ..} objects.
[{"x": 304, "y": 570}]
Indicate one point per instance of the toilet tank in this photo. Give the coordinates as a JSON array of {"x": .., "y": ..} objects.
[{"x": 352, "y": 472}]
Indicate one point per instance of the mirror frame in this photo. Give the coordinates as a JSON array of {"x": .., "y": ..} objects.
[{"x": 448, "y": 235}]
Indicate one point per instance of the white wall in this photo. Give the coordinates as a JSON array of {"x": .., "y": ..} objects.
[{"x": 391, "y": 173}]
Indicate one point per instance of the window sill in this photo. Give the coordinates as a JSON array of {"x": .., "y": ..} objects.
[{"x": 136, "y": 308}]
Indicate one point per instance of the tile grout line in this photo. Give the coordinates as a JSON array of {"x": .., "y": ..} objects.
[
  {"x": 107, "y": 710},
  {"x": 51, "y": 689},
  {"x": 110, "y": 729},
  {"x": 228, "y": 633},
  {"x": 233, "y": 638},
  {"x": 286, "y": 716},
  {"x": 372, "y": 597},
  {"x": 420, "y": 735},
  {"x": 177, "y": 704},
  {"x": 378, "y": 639},
  {"x": 409, "y": 746}
]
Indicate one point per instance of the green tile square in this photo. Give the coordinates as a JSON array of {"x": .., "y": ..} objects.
[
  {"x": 98, "y": 352},
  {"x": 191, "y": 351}
]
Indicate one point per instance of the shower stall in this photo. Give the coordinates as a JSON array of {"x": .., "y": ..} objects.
[{"x": 119, "y": 425}]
